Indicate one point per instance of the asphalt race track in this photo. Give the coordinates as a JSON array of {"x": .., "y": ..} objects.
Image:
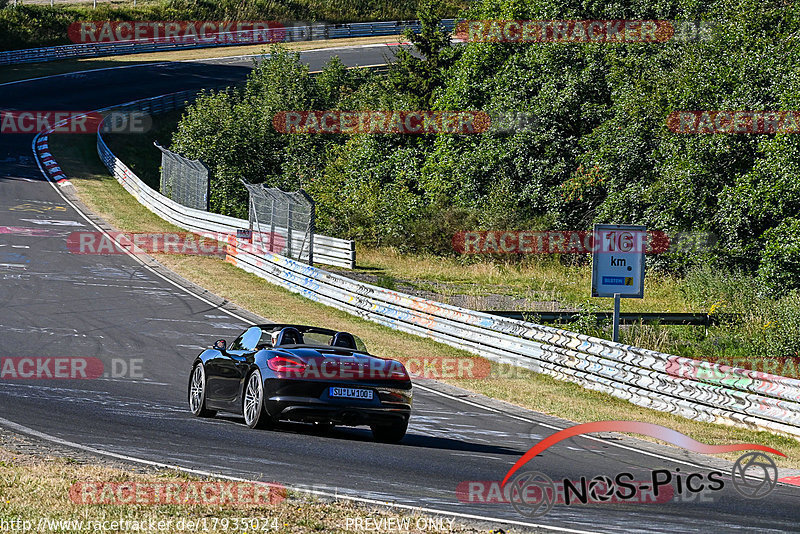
[{"x": 54, "y": 304}]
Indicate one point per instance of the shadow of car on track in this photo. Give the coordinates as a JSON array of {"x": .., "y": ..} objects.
[{"x": 365, "y": 435}]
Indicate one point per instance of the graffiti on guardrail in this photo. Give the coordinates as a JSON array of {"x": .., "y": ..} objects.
[
  {"x": 760, "y": 373},
  {"x": 597, "y": 364}
]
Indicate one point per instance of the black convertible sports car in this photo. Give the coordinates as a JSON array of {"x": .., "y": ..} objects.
[{"x": 302, "y": 373}]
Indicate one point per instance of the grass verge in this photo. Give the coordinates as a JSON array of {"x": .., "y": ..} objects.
[
  {"x": 103, "y": 195},
  {"x": 35, "y": 497},
  {"x": 539, "y": 278}
]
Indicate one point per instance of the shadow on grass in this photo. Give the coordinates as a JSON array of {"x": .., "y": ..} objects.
[{"x": 77, "y": 156}]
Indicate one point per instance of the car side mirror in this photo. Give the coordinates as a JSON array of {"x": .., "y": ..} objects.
[{"x": 220, "y": 345}]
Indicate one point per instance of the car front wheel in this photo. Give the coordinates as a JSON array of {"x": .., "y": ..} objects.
[
  {"x": 253, "y": 402},
  {"x": 197, "y": 392}
]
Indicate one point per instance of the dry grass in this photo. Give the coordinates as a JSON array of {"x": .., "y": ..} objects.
[
  {"x": 36, "y": 489},
  {"x": 543, "y": 276}
]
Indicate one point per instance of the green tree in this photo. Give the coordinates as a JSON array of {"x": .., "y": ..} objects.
[{"x": 419, "y": 72}]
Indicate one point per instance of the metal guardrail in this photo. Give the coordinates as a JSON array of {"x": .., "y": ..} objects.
[
  {"x": 327, "y": 250},
  {"x": 695, "y": 319},
  {"x": 690, "y": 388},
  {"x": 293, "y": 33}
]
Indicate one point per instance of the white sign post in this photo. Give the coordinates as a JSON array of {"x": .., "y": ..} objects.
[{"x": 618, "y": 264}]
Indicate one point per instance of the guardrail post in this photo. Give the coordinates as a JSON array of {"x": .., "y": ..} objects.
[
  {"x": 310, "y": 228},
  {"x": 615, "y": 334},
  {"x": 272, "y": 226},
  {"x": 289, "y": 222}
]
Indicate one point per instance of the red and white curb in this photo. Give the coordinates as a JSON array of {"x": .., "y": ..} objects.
[{"x": 49, "y": 164}]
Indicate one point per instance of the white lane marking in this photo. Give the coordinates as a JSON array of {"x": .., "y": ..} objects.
[
  {"x": 49, "y": 331},
  {"x": 336, "y": 495},
  {"x": 471, "y": 455},
  {"x": 553, "y": 427},
  {"x": 14, "y": 265},
  {"x": 53, "y": 222},
  {"x": 133, "y": 381}
]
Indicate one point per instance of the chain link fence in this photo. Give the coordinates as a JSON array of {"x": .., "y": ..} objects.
[
  {"x": 282, "y": 222},
  {"x": 184, "y": 180}
]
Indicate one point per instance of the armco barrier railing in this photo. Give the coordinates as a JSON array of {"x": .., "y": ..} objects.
[
  {"x": 327, "y": 250},
  {"x": 292, "y": 33}
]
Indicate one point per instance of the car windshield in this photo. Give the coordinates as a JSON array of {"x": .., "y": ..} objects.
[{"x": 318, "y": 337}]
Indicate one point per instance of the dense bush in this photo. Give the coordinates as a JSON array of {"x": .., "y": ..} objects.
[
  {"x": 779, "y": 271},
  {"x": 598, "y": 149}
]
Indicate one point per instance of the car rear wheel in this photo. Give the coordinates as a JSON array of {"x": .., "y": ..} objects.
[
  {"x": 253, "y": 402},
  {"x": 197, "y": 393},
  {"x": 389, "y": 433}
]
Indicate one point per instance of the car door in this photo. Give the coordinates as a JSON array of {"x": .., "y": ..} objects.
[{"x": 230, "y": 371}]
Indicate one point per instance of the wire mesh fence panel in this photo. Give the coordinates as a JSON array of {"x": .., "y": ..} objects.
[
  {"x": 282, "y": 222},
  {"x": 184, "y": 180}
]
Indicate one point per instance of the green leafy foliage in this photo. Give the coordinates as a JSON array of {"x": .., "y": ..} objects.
[
  {"x": 597, "y": 147},
  {"x": 419, "y": 74},
  {"x": 779, "y": 271}
]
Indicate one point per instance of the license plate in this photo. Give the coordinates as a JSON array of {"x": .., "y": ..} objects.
[{"x": 351, "y": 393}]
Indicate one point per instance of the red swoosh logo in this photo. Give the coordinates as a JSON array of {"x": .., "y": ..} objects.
[{"x": 647, "y": 429}]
